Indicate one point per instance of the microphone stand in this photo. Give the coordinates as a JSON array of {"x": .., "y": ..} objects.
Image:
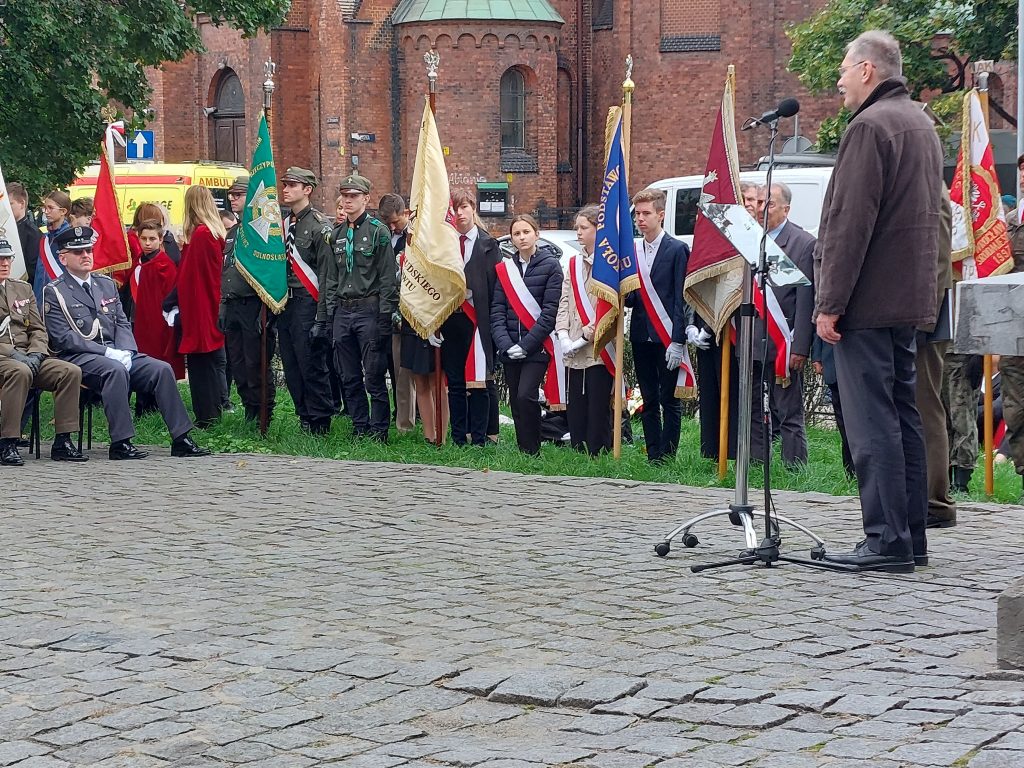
[{"x": 741, "y": 512}]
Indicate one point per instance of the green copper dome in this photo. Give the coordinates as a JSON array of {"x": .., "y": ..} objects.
[{"x": 482, "y": 10}]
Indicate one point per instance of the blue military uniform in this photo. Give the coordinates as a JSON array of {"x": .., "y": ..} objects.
[{"x": 87, "y": 326}]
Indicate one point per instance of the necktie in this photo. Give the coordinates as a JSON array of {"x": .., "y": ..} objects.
[
  {"x": 462, "y": 247},
  {"x": 88, "y": 289},
  {"x": 290, "y": 239},
  {"x": 349, "y": 255}
]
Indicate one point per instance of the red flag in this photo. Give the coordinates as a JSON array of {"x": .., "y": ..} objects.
[
  {"x": 714, "y": 272},
  {"x": 110, "y": 251},
  {"x": 981, "y": 244}
]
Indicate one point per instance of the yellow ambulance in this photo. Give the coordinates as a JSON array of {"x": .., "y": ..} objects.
[{"x": 163, "y": 184}]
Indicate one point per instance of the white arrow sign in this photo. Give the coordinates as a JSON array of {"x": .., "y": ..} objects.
[{"x": 140, "y": 142}]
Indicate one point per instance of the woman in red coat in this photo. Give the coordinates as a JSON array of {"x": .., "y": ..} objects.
[{"x": 199, "y": 276}]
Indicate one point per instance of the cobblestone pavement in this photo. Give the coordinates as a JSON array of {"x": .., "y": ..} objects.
[{"x": 270, "y": 611}]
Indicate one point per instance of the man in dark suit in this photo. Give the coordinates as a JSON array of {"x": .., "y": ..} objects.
[
  {"x": 797, "y": 303},
  {"x": 656, "y": 363},
  {"x": 469, "y": 406},
  {"x": 88, "y": 327}
]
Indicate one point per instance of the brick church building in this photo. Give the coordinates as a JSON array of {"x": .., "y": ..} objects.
[{"x": 523, "y": 89}]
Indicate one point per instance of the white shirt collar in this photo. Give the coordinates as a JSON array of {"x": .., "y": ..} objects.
[
  {"x": 774, "y": 233},
  {"x": 471, "y": 237},
  {"x": 652, "y": 247},
  {"x": 80, "y": 281}
]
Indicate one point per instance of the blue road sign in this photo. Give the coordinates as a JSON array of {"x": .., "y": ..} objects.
[{"x": 141, "y": 146}]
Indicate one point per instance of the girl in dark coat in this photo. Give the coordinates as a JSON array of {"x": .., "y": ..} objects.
[{"x": 524, "y": 346}]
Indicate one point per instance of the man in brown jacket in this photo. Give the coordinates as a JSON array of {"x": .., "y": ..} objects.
[
  {"x": 25, "y": 362},
  {"x": 1011, "y": 368},
  {"x": 875, "y": 276}
]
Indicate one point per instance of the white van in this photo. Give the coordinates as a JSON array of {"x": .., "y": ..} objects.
[{"x": 807, "y": 184}]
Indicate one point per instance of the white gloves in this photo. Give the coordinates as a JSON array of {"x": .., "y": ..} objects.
[
  {"x": 515, "y": 352},
  {"x": 674, "y": 355},
  {"x": 700, "y": 339},
  {"x": 123, "y": 356},
  {"x": 569, "y": 347},
  {"x": 171, "y": 317},
  {"x": 434, "y": 340}
]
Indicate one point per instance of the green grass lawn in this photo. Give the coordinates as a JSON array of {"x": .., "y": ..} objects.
[{"x": 824, "y": 472}]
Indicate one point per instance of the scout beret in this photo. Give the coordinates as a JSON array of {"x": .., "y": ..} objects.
[
  {"x": 300, "y": 176},
  {"x": 240, "y": 184},
  {"x": 355, "y": 183},
  {"x": 75, "y": 237}
]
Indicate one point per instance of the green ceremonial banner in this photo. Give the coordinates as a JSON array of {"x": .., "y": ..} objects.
[{"x": 259, "y": 249}]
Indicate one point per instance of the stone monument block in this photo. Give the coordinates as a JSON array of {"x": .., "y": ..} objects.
[
  {"x": 990, "y": 316},
  {"x": 1010, "y": 627}
]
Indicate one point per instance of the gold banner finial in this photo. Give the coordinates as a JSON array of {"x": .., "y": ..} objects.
[{"x": 108, "y": 113}]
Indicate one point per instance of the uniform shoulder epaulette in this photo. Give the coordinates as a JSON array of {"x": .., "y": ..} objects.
[
  {"x": 16, "y": 280},
  {"x": 105, "y": 277},
  {"x": 376, "y": 222}
]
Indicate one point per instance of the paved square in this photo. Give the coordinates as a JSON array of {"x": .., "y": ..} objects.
[{"x": 275, "y": 611}]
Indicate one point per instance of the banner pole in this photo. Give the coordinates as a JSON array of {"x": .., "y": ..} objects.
[
  {"x": 432, "y": 59},
  {"x": 981, "y": 73},
  {"x": 268, "y": 97},
  {"x": 620, "y": 321},
  {"x": 723, "y": 407}
]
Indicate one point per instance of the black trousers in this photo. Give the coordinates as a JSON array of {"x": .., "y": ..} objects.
[
  {"x": 786, "y": 408},
  {"x": 875, "y": 367},
  {"x": 469, "y": 408},
  {"x": 837, "y": 411},
  {"x": 208, "y": 385},
  {"x": 493, "y": 408},
  {"x": 663, "y": 411},
  {"x": 524, "y": 380},
  {"x": 361, "y": 350},
  {"x": 243, "y": 340},
  {"x": 709, "y": 394},
  {"x": 305, "y": 368},
  {"x": 589, "y": 408}
]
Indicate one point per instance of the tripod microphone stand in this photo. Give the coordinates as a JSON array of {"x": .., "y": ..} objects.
[{"x": 741, "y": 512}]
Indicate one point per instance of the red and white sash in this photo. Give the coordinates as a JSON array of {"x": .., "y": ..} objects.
[
  {"x": 48, "y": 256},
  {"x": 778, "y": 330},
  {"x": 528, "y": 311},
  {"x": 585, "y": 307},
  {"x": 476, "y": 359},
  {"x": 686, "y": 382},
  {"x": 305, "y": 273}
]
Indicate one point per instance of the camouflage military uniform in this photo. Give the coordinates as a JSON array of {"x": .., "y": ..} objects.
[{"x": 960, "y": 398}]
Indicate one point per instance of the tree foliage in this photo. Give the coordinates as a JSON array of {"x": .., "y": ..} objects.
[
  {"x": 978, "y": 30},
  {"x": 62, "y": 62}
]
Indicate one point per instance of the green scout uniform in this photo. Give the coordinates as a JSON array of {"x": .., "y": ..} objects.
[{"x": 358, "y": 298}]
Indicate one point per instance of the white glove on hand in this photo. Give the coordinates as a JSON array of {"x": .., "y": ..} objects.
[
  {"x": 567, "y": 346},
  {"x": 515, "y": 352},
  {"x": 700, "y": 339},
  {"x": 171, "y": 317},
  {"x": 124, "y": 357},
  {"x": 674, "y": 355},
  {"x": 434, "y": 340},
  {"x": 579, "y": 344}
]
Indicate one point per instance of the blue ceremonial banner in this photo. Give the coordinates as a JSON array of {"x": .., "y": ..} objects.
[{"x": 614, "y": 274}]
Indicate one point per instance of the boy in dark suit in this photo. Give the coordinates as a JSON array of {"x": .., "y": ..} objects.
[{"x": 664, "y": 258}]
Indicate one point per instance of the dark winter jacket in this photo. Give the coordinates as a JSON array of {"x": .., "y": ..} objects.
[
  {"x": 875, "y": 260},
  {"x": 543, "y": 278}
]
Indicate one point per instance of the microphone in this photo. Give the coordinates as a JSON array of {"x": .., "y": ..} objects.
[{"x": 786, "y": 108}]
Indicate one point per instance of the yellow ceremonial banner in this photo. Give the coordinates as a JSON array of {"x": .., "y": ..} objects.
[{"x": 433, "y": 279}]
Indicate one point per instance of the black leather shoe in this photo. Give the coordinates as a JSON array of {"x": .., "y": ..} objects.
[
  {"x": 961, "y": 478},
  {"x": 9, "y": 455},
  {"x": 64, "y": 450},
  {"x": 124, "y": 450},
  {"x": 939, "y": 522},
  {"x": 920, "y": 560},
  {"x": 185, "y": 447},
  {"x": 866, "y": 560}
]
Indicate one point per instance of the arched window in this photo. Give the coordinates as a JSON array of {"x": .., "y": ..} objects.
[
  {"x": 513, "y": 110},
  {"x": 228, "y": 130}
]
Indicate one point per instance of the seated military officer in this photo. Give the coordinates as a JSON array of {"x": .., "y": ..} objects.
[
  {"x": 88, "y": 327},
  {"x": 25, "y": 362}
]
